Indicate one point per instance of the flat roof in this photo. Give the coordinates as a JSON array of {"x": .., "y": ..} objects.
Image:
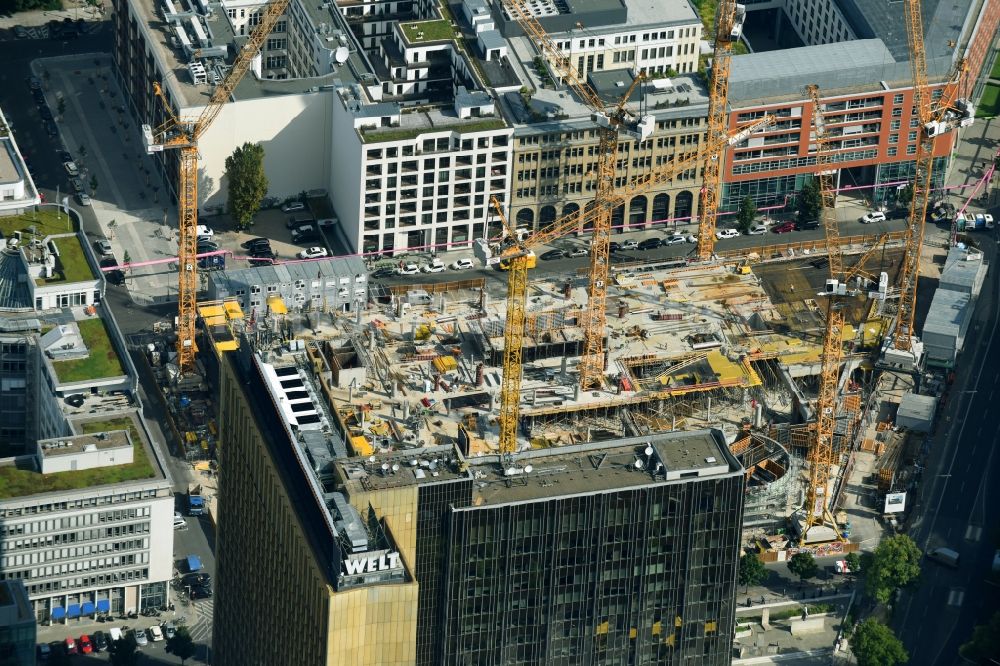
[
  {"x": 423, "y": 466},
  {"x": 659, "y": 12},
  {"x": 64, "y": 446},
  {"x": 9, "y": 172},
  {"x": 947, "y": 312},
  {"x": 884, "y": 20},
  {"x": 596, "y": 467},
  {"x": 19, "y": 478}
]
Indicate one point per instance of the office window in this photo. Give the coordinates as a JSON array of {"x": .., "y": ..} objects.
[
  {"x": 911, "y": 150},
  {"x": 892, "y": 151}
]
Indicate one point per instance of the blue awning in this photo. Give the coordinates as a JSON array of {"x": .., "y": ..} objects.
[
  {"x": 58, "y": 613},
  {"x": 73, "y": 610},
  {"x": 193, "y": 562},
  {"x": 103, "y": 605},
  {"x": 87, "y": 608}
]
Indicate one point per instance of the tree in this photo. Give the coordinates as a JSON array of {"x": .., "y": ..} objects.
[
  {"x": 123, "y": 652},
  {"x": 93, "y": 184},
  {"x": 61, "y": 106},
  {"x": 803, "y": 565},
  {"x": 853, "y": 562},
  {"x": 874, "y": 644},
  {"x": 112, "y": 226},
  {"x": 984, "y": 648},
  {"x": 247, "y": 183},
  {"x": 895, "y": 564},
  {"x": 746, "y": 214},
  {"x": 905, "y": 196},
  {"x": 810, "y": 201},
  {"x": 181, "y": 645},
  {"x": 752, "y": 570},
  {"x": 82, "y": 150}
]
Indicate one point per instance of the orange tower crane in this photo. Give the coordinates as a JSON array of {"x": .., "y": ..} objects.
[
  {"x": 182, "y": 134},
  {"x": 821, "y": 450},
  {"x": 515, "y": 257},
  {"x": 612, "y": 122},
  {"x": 729, "y": 19},
  {"x": 936, "y": 117}
]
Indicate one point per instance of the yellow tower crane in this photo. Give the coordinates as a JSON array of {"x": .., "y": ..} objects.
[
  {"x": 182, "y": 134},
  {"x": 515, "y": 257},
  {"x": 936, "y": 117},
  {"x": 613, "y": 121},
  {"x": 819, "y": 524},
  {"x": 729, "y": 19}
]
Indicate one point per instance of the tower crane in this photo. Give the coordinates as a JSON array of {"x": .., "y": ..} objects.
[
  {"x": 182, "y": 134},
  {"x": 515, "y": 256},
  {"x": 612, "y": 123},
  {"x": 821, "y": 453},
  {"x": 729, "y": 19},
  {"x": 936, "y": 117}
]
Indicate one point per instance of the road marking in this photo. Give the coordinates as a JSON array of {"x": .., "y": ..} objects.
[
  {"x": 973, "y": 533},
  {"x": 955, "y": 596},
  {"x": 991, "y": 395}
]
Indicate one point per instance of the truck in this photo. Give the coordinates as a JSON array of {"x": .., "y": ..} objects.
[
  {"x": 196, "y": 503},
  {"x": 945, "y": 556}
]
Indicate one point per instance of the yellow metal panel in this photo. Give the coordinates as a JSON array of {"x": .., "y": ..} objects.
[
  {"x": 602, "y": 628},
  {"x": 276, "y": 305},
  {"x": 227, "y": 345},
  {"x": 233, "y": 310},
  {"x": 361, "y": 445},
  {"x": 207, "y": 311}
]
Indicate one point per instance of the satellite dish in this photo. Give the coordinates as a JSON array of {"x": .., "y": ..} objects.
[
  {"x": 527, "y": 469},
  {"x": 371, "y": 459},
  {"x": 385, "y": 467},
  {"x": 341, "y": 54},
  {"x": 638, "y": 464},
  {"x": 648, "y": 451},
  {"x": 395, "y": 468}
]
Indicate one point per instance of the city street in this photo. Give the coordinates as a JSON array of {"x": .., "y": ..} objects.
[{"x": 960, "y": 478}]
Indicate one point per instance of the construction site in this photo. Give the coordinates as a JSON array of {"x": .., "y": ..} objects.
[{"x": 806, "y": 359}]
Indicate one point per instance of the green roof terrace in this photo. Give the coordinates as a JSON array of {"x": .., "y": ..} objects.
[
  {"x": 435, "y": 30},
  {"x": 20, "y": 480},
  {"x": 102, "y": 360}
]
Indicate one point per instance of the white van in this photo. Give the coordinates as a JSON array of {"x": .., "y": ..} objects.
[
  {"x": 179, "y": 522},
  {"x": 115, "y": 633}
]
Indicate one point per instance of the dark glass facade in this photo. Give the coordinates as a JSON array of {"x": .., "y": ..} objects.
[
  {"x": 643, "y": 575},
  {"x": 433, "y": 506}
]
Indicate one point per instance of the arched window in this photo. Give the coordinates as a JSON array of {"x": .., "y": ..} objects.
[
  {"x": 661, "y": 208},
  {"x": 637, "y": 210},
  {"x": 684, "y": 205}
]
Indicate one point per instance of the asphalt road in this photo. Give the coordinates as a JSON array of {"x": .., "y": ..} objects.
[
  {"x": 956, "y": 508},
  {"x": 37, "y": 147},
  {"x": 848, "y": 227}
]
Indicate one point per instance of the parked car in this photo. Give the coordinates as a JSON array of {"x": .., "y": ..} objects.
[
  {"x": 196, "y": 579},
  {"x": 71, "y": 168},
  {"x": 315, "y": 252},
  {"x": 674, "y": 239},
  {"x": 169, "y": 630},
  {"x": 248, "y": 245},
  {"x": 207, "y": 246},
  {"x": 757, "y": 230},
  {"x": 205, "y": 231},
  {"x": 39, "y": 97},
  {"x": 630, "y": 245},
  {"x": 86, "y": 647},
  {"x": 260, "y": 261},
  {"x": 874, "y": 216},
  {"x": 989, "y": 220},
  {"x": 77, "y": 184},
  {"x": 552, "y": 254},
  {"x": 103, "y": 247},
  {"x": 293, "y": 206},
  {"x": 383, "y": 272},
  {"x": 408, "y": 269},
  {"x": 100, "y": 641},
  {"x": 46, "y": 113},
  {"x": 898, "y": 214},
  {"x": 34, "y": 83},
  {"x": 435, "y": 266},
  {"x": 726, "y": 233},
  {"x": 115, "y": 276},
  {"x": 71, "y": 646},
  {"x": 305, "y": 237},
  {"x": 650, "y": 244},
  {"x": 20, "y": 32},
  {"x": 577, "y": 252},
  {"x": 201, "y": 592},
  {"x": 783, "y": 228},
  {"x": 462, "y": 265},
  {"x": 83, "y": 198},
  {"x": 140, "y": 637},
  {"x": 44, "y": 651},
  {"x": 155, "y": 633},
  {"x": 296, "y": 221},
  {"x": 64, "y": 155}
]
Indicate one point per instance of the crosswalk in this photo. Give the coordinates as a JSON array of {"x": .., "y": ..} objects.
[{"x": 199, "y": 619}]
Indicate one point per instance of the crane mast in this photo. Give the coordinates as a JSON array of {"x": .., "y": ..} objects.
[
  {"x": 515, "y": 256},
  {"x": 182, "y": 135},
  {"x": 821, "y": 437},
  {"x": 729, "y": 19},
  {"x": 611, "y": 125},
  {"x": 947, "y": 114}
]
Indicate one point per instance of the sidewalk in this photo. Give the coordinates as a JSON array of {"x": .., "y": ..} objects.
[{"x": 73, "y": 9}]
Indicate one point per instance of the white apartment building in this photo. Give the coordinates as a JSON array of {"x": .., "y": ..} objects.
[
  {"x": 81, "y": 542},
  {"x": 652, "y": 47},
  {"x": 417, "y": 178}
]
